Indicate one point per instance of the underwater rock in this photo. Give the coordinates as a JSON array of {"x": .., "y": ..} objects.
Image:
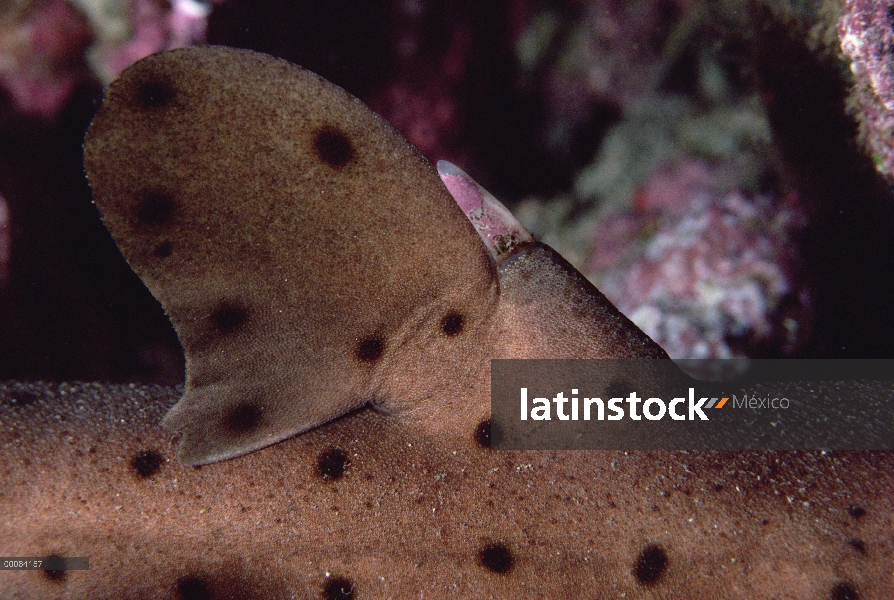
[
  {"x": 128, "y": 30},
  {"x": 41, "y": 49},
  {"x": 867, "y": 39},
  {"x": 707, "y": 274},
  {"x": 47, "y": 48}
]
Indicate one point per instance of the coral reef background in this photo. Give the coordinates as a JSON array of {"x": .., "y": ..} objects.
[{"x": 721, "y": 170}]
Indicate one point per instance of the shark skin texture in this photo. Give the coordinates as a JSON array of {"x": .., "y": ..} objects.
[
  {"x": 338, "y": 313},
  {"x": 363, "y": 505}
]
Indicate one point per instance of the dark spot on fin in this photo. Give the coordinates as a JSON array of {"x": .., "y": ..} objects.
[
  {"x": 650, "y": 565},
  {"x": 155, "y": 209},
  {"x": 147, "y": 463},
  {"x": 338, "y": 588},
  {"x": 856, "y": 512},
  {"x": 331, "y": 464},
  {"x": 452, "y": 324},
  {"x": 163, "y": 250},
  {"x": 370, "y": 349},
  {"x": 496, "y": 558},
  {"x": 844, "y": 591},
  {"x": 242, "y": 418},
  {"x": 858, "y": 545},
  {"x": 192, "y": 588},
  {"x": 154, "y": 93},
  {"x": 482, "y": 433},
  {"x": 228, "y": 316},
  {"x": 333, "y": 147}
]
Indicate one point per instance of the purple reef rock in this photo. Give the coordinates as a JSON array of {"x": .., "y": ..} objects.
[
  {"x": 866, "y": 31},
  {"x": 41, "y": 55},
  {"x": 48, "y": 47},
  {"x": 706, "y": 273}
]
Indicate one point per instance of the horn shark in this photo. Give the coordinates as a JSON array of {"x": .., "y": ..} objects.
[{"x": 324, "y": 282}]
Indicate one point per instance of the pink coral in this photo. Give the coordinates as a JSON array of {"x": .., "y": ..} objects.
[
  {"x": 425, "y": 116},
  {"x": 153, "y": 26},
  {"x": 867, "y": 38},
  {"x": 866, "y": 34},
  {"x": 712, "y": 267},
  {"x": 421, "y": 103},
  {"x": 40, "y": 56},
  {"x": 44, "y": 44},
  {"x": 672, "y": 186}
]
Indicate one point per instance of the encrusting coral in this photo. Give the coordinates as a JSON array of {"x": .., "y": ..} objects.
[
  {"x": 47, "y": 48},
  {"x": 866, "y": 30},
  {"x": 681, "y": 217}
]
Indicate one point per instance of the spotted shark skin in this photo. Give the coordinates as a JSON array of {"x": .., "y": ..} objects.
[
  {"x": 402, "y": 496},
  {"x": 362, "y": 505}
]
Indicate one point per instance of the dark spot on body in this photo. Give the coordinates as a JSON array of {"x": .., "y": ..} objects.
[
  {"x": 858, "y": 545},
  {"x": 482, "y": 433},
  {"x": 496, "y": 558},
  {"x": 650, "y": 565},
  {"x": 22, "y": 397},
  {"x": 338, "y": 588},
  {"x": 370, "y": 349},
  {"x": 153, "y": 93},
  {"x": 163, "y": 250},
  {"x": 192, "y": 588},
  {"x": 844, "y": 591},
  {"x": 452, "y": 324},
  {"x": 147, "y": 463},
  {"x": 155, "y": 209},
  {"x": 55, "y": 575},
  {"x": 333, "y": 147},
  {"x": 242, "y": 418},
  {"x": 228, "y": 316},
  {"x": 331, "y": 464},
  {"x": 856, "y": 512}
]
